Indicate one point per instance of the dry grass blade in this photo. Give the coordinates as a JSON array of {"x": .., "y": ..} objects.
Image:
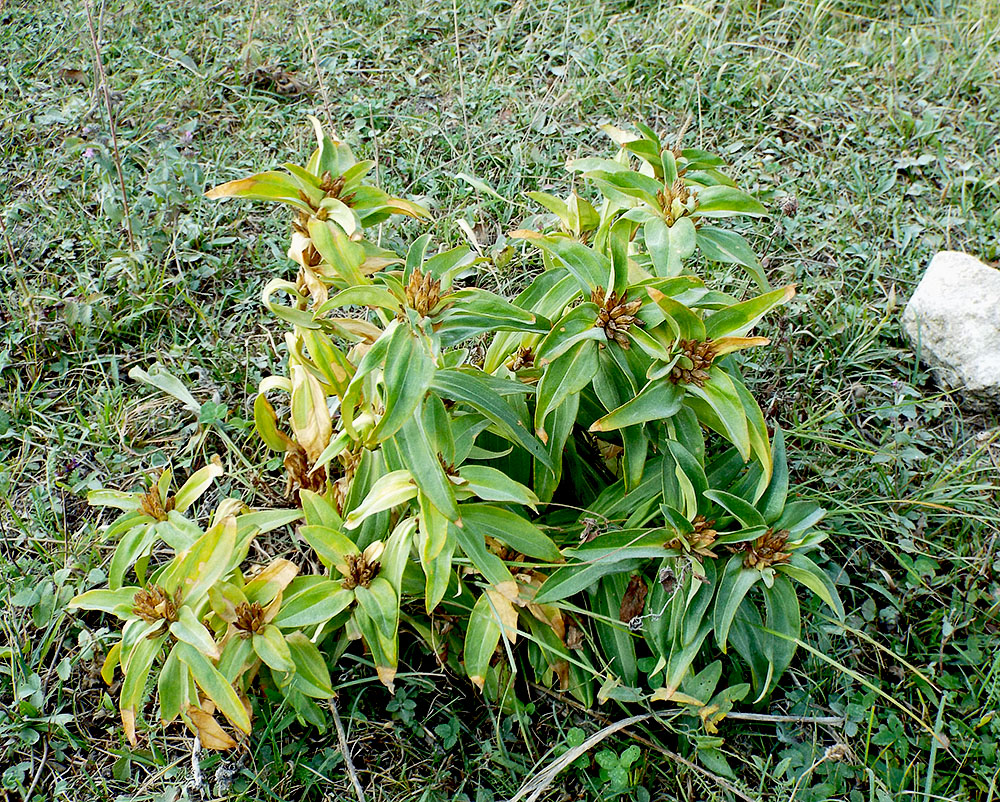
[
  {"x": 346, "y": 752},
  {"x": 111, "y": 123},
  {"x": 535, "y": 787}
]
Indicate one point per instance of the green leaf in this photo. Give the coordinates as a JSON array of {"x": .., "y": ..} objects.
[
  {"x": 563, "y": 377},
  {"x": 380, "y": 603},
  {"x": 171, "y": 688},
  {"x": 189, "y": 629},
  {"x": 270, "y": 646},
  {"x": 658, "y": 400},
  {"x": 407, "y": 376},
  {"x": 611, "y": 553},
  {"x": 117, "y": 602},
  {"x": 484, "y": 560},
  {"x": 736, "y": 320},
  {"x": 721, "y": 409},
  {"x": 268, "y": 186},
  {"x": 657, "y": 239},
  {"x": 330, "y": 544},
  {"x": 214, "y": 685},
  {"x": 361, "y": 295},
  {"x": 799, "y": 517},
  {"x": 772, "y": 503},
  {"x": 211, "y": 557},
  {"x": 722, "y": 245},
  {"x": 339, "y": 251},
  {"x": 137, "y": 542},
  {"x": 482, "y": 638},
  {"x": 196, "y": 485},
  {"x": 742, "y": 510},
  {"x": 421, "y": 458},
  {"x": 618, "y": 642},
  {"x": 590, "y": 268},
  {"x": 391, "y": 490},
  {"x": 162, "y": 379},
  {"x": 415, "y": 255},
  {"x": 803, "y": 570},
  {"x": 314, "y": 605},
  {"x": 723, "y": 201},
  {"x": 735, "y": 584},
  {"x": 510, "y": 528},
  {"x": 685, "y": 324},
  {"x": 481, "y": 396},
  {"x": 312, "y": 677},
  {"x": 490, "y": 484}
]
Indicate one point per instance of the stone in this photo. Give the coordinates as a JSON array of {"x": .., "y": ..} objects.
[{"x": 953, "y": 324}]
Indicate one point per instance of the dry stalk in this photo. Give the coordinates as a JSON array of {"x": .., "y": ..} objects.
[{"x": 111, "y": 123}]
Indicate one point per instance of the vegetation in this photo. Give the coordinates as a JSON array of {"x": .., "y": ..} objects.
[{"x": 890, "y": 693}]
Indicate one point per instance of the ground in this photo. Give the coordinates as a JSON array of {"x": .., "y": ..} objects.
[{"x": 879, "y": 118}]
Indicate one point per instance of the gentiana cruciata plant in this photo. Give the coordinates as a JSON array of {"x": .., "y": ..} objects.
[{"x": 574, "y": 483}]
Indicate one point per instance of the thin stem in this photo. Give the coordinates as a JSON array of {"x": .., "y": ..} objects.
[
  {"x": 346, "y": 752},
  {"x": 111, "y": 124}
]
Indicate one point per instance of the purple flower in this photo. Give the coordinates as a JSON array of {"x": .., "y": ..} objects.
[
  {"x": 89, "y": 154},
  {"x": 187, "y": 137}
]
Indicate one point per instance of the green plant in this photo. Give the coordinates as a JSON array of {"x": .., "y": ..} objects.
[{"x": 581, "y": 468}]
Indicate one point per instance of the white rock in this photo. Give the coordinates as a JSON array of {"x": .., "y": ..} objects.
[{"x": 953, "y": 322}]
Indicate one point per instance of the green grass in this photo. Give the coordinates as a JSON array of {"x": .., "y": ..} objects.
[{"x": 879, "y": 117}]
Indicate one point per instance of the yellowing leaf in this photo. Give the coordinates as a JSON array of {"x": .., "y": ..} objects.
[
  {"x": 310, "y": 418},
  {"x": 210, "y": 732}
]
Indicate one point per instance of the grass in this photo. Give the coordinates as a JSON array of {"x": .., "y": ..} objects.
[{"x": 879, "y": 117}]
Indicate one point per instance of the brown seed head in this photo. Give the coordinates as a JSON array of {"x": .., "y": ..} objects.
[
  {"x": 524, "y": 358},
  {"x": 152, "y": 505},
  {"x": 155, "y": 604},
  {"x": 700, "y": 541},
  {"x": 360, "y": 570},
  {"x": 699, "y": 356},
  {"x": 249, "y": 619},
  {"x": 615, "y": 315},
  {"x": 423, "y": 292},
  {"x": 766, "y": 550},
  {"x": 332, "y": 186},
  {"x": 676, "y": 201}
]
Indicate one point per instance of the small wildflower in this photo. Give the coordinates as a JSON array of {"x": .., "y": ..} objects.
[
  {"x": 90, "y": 154},
  {"x": 187, "y": 137}
]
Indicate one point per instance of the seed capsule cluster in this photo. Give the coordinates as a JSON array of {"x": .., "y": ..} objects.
[
  {"x": 615, "y": 315},
  {"x": 766, "y": 550},
  {"x": 155, "y": 604},
  {"x": 360, "y": 569},
  {"x": 249, "y": 619},
  {"x": 423, "y": 292},
  {"x": 676, "y": 201},
  {"x": 699, "y": 541},
  {"x": 692, "y": 367}
]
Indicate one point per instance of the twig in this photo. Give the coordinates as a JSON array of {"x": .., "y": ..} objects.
[
  {"x": 825, "y": 721},
  {"x": 537, "y": 784},
  {"x": 38, "y": 774},
  {"x": 319, "y": 77},
  {"x": 111, "y": 124},
  {"x": 246, "y": 54},
  {"x": 722, "y": 781},
  {"x": 6, "y": 239},
  {"x": 461, "y": 78},
  {"x": 346, "y": 752}
]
